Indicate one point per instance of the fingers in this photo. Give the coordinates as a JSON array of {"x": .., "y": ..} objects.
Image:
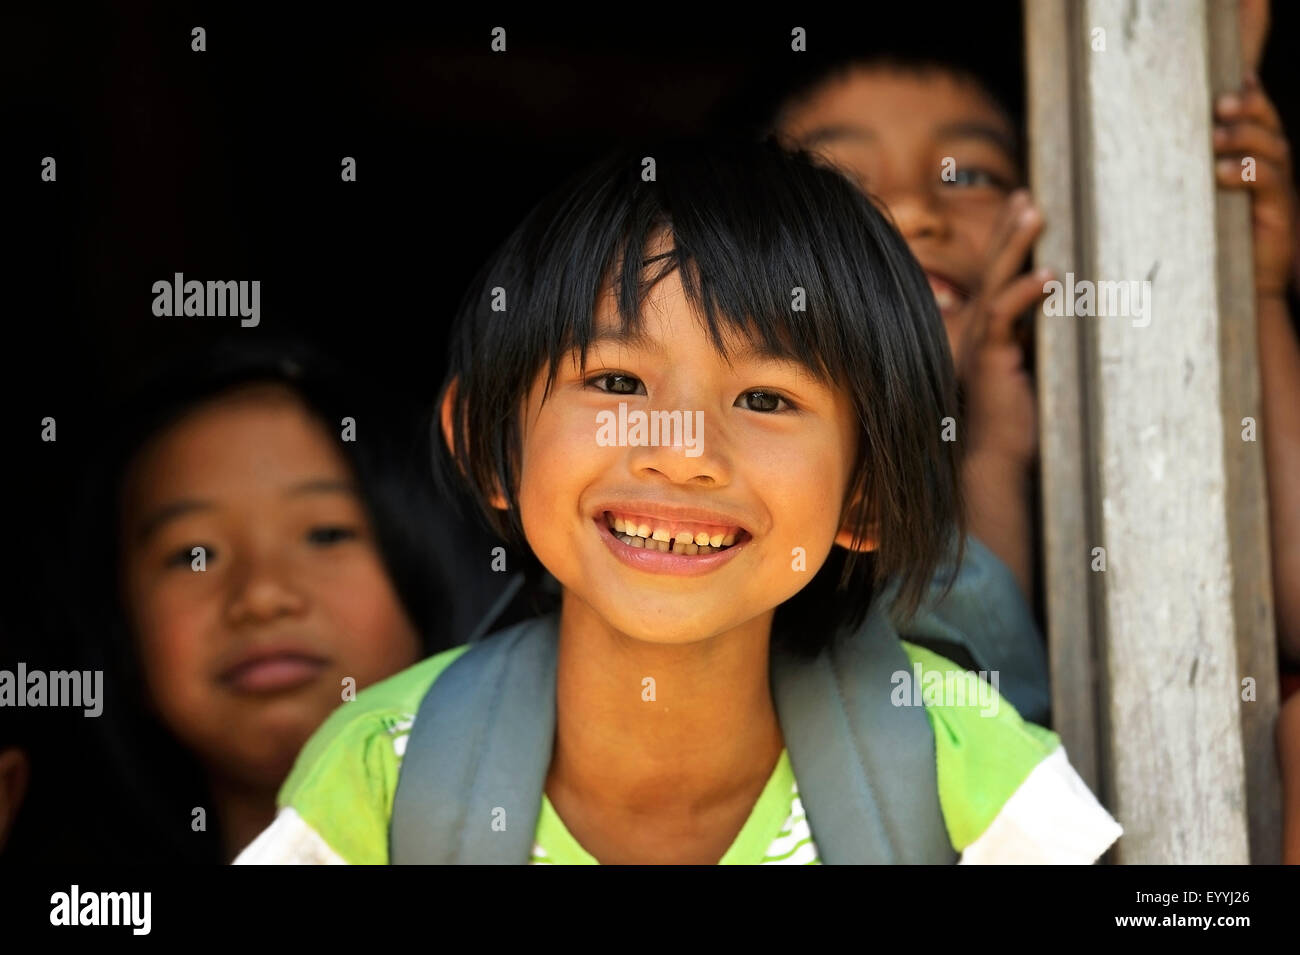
[
  {"x": 1012, "y": 243},
  {"x": 1010, "y": 303},
  {"x": 1007, "y": 220},
  {"x": 1268, "y": 176},
  {"x": 1250, "y": 104},
  {"x": 1249, "y": 128},
  {"x": 1251, "y": 139},
  {"x": 992, "y": 323}
]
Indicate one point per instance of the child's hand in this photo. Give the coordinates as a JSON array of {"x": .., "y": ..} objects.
[
  {"x": 1248, "y": 127},
  {"x": 1001, "y": 411}
]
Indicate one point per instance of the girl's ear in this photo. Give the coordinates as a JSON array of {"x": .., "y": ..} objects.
[
  {"x": 845, "y": 539},
  {"x": 870, "y": 540},
  {"x": 498, "y": 499}
]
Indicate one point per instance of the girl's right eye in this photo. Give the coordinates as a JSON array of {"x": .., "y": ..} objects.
[
  {"x": 974, "y": 177},
  {"x": 184, "y": 557},
  {"x": 616, "y": 383}
]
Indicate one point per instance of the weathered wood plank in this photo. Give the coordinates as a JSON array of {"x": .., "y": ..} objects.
[
  {"x": 1172, "y": 742},
  {"x": 1066, "y": 537},
  {"x": 1247, "y": 491}
]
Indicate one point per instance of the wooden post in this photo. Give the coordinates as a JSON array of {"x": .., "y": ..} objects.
[
  {"x": 1149, "y": 383},
  {"x": 1252, "y": 586},
  {"x": 1063, "y": 464}
]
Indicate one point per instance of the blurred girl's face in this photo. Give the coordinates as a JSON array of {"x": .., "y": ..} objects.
[
  {"x": 934, "y": 151},
  {"x": 246, "y": 645}
]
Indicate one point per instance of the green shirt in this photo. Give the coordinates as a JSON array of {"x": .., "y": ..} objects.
[
  {"x": 776, "y": 832},
  {"x": 336, "y": 804}
]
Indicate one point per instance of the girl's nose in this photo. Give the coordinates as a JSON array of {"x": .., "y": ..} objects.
[
  {"x": 684, "y": 446},
  {"x": 262, "y": 591},
  {"x": 916, "y": 213}
]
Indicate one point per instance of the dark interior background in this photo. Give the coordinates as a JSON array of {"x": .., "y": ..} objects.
[{"x": 225, "y": 165}]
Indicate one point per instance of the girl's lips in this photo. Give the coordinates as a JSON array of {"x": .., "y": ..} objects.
[
  {"x": 273, "y": 673},
  {"x": 657, "y": 562},
  {"x": 947, "y": 294}
]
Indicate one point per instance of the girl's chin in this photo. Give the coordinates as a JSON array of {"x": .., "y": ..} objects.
[{"x": 672, "y": 627}]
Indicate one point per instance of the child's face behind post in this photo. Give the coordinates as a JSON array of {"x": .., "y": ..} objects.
[
  {"x": 934, "y": 151},
  {"x": 244, "y": 658},
  {"x": 771, "y": 468}
]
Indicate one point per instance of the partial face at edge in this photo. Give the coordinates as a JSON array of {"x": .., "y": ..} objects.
[{"x": 892, "y": 131}]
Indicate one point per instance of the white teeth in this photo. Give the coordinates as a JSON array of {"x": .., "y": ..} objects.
[{"x": 640, "y": 535}]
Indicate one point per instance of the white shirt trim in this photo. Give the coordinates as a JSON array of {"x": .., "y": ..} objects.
[
  {"x": 289, "y": 840},
  {"x": 1052, "y": 819}
]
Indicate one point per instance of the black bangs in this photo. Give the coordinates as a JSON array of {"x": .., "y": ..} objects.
[
  {"x": 766, "y": 272},
  {"x": 773, "y": 250}
]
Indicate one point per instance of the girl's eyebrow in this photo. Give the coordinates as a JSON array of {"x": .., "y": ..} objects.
[
  {"x": 323, "y": 486},
  {"x": 632, "y": 339},
  {"x": 638, "y": 339},
  {"x": 971, "y": 129},
  {"x": 836, "y": 133},
  {"x": 170, "y": 512}
]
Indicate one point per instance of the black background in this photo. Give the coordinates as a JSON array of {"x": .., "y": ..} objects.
[{"x": 225, "y": 165}]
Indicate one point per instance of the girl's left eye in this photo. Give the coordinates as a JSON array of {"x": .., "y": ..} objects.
[
  {"x": 331, "y": 534},
  {"x": 767, "y": 402},
  {"x": 617, "y": 383}
]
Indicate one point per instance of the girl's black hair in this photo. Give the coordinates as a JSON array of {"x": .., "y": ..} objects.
[
  {"x": 131, "y": 786},
  {"x": 982, "y": 46},
  {"x": 749, "y": 223},
  {"x": 916, "y": 64}
]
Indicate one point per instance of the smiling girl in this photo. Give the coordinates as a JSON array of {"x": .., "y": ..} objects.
[{"x": 743, "y": 284}]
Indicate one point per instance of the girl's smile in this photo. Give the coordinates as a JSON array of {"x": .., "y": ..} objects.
[{"x": 668, "y": 545}]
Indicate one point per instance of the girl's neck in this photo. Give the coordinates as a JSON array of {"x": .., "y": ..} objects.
[
  {"x": 243, "y": 812},
  {"x": 656, "y": 729}
]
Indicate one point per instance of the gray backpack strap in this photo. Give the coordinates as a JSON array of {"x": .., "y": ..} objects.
[
  {"x": 866, "y": 769},
  {"x": 482, "y": 742},
  {"x": 985, "y": 615},
  {"x": 487, "y": 624},
  {"x": 471, "y": 782}
]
